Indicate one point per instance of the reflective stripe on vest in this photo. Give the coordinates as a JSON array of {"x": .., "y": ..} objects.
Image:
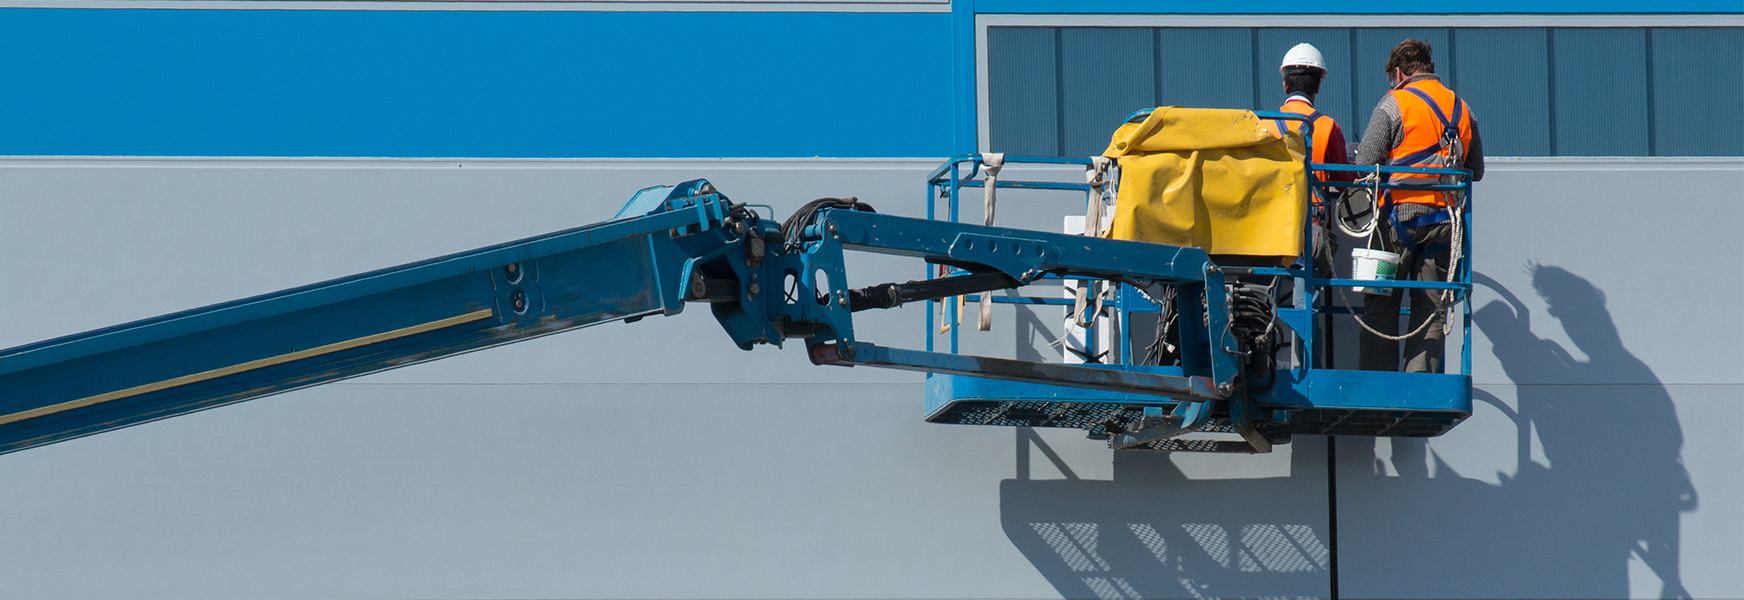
[{"x": 1423, "y": 127}]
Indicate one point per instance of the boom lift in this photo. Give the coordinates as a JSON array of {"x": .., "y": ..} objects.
[{"x": 767, "y": 282}]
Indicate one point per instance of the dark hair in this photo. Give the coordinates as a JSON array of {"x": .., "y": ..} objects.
[
  {"x": 1302, "y": 79},
  {"x": 1411, "y": 57}
]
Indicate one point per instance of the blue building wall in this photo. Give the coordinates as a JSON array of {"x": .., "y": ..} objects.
[{"x": 473, "y": 84}]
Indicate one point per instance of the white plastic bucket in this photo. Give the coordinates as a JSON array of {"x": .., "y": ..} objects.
[{"x": 1373, "y": 265}]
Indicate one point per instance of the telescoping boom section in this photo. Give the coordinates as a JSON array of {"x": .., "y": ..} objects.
[
  {"x": 670, "y": 247},
  {"x": 766, "y": 282}
]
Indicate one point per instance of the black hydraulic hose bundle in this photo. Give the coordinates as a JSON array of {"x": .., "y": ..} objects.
[
  {"x": 887, "y": 295},
  {"x": 892, "y": 295},
  {"x": 794, "y": 227},
  {"x": 1252, "y": 317}
]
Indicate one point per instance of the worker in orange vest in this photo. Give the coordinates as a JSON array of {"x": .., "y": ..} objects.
[
  {"x": 1419, "y": 123},
  {"x": 1303, "y": 69}
]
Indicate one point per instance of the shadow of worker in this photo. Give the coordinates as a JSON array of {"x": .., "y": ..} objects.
[{"x": 1608, "y": 480}]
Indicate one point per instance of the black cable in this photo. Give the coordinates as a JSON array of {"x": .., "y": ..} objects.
[
  {"x": 1252, "y": 313},
  {"x": 1162, "y": 350}
]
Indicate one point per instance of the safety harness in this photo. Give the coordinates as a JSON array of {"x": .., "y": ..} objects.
[{"x": 1449, "y": 141}]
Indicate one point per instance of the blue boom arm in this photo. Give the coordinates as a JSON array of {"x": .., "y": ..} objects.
[{"x": 668, "y": 247}]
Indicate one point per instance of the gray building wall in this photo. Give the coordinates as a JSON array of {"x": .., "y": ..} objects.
[{"x": 656, "y": 460}]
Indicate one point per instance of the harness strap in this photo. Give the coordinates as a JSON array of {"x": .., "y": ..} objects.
[
  {"x": 1445, "y": 121},
  {"x": 1403, "y": 228},
  {"x": 1449, "y": 126},
  {"x": 1313, "y": 115},
  {"x": 1418, "y": 156}
]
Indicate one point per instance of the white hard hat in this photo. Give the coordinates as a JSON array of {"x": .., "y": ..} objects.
[{"x": 1303, "y": 55}]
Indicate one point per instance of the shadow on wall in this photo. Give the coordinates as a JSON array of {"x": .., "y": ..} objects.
[
  {"x": 1153, "y": 533},
  {"x": 1605, "y": 484}
]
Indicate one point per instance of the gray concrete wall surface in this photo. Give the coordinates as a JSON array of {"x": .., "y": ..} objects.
[{"x": 655, "y": 460}]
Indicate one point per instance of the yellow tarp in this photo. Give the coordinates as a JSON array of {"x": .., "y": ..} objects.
[{"x": 1213, "y": 179}]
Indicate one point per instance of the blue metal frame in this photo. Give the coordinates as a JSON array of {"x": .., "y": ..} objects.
[
  {"x": 1306, "y": 398},
  {"x": 670, "y": 246}
]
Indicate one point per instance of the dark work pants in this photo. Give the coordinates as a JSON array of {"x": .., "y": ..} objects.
[{"x": 1423, "y": 352}]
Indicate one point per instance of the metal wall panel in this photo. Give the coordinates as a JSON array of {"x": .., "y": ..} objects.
[
  {"x": 1698, "y": 91},
  {"x": 1511, "y": 75},
  {"x": 651, "y": 459},
  {"x": 1335, "y": 99},
  {"x": 1195, "y": 67},
  {"x": 1503, "y": 74},
  {"x": 594, "y": 464},
  {"x": 1602, "y": 459},
  {"x": 1369, "y": 71},
  {"x": 1600, "y": 91},
  {"x": 1022, "y": 90},
  {"x": 1105, "y": 75}
]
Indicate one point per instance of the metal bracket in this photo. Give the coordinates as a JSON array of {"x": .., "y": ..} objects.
[
  {"x": 1187, "y": 417},
  {"x": 1018, "y": 257}
]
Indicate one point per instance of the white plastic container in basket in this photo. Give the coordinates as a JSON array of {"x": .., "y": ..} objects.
[{"x": 1373, "y": 265}]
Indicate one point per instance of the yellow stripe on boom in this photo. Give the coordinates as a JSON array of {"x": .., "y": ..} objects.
[{"x": 247, "y": 366}]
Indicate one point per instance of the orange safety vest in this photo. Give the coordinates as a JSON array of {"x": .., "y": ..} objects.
[
  {"x": 1322, "y": 126},
  {"x": 1427, "y": 112}
]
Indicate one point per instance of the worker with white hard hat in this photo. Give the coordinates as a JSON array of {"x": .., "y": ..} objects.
[{"x": 1303, "y": 69}]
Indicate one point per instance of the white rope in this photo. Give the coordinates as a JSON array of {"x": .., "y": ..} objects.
[
  {"x": 1096, "y": 176},
  {"x": 991, "y": 162},
  {"x": 1456, "y": 248}
]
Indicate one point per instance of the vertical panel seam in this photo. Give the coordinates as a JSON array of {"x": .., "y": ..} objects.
[
  {"x": 1059, "y": 92},
  {"x": 1254, "y": 60},
  {"x": 1550, "y": 112},
  {"x": 1452, "y": 62},
  {"x": 1652, "y": 106},
  {"x": 1156, "y": 66},
  {"x": 1332, "y": 513},
  {"x": 1355, "y": 94}
]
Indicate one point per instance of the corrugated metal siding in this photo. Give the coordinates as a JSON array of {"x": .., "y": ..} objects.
[
  {"x": 1372, "y": 48},
  {"x": 1187, "y": 58},
  {"x": 1503, "y": 75},
  {"x": 1022, "y": 87},
  {"x": 1698, "y": 93},
  {"x": 1600, "y": 79},
  {"x": 1567, "y": 91},
  {"x": 1106, "y": 73}
]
